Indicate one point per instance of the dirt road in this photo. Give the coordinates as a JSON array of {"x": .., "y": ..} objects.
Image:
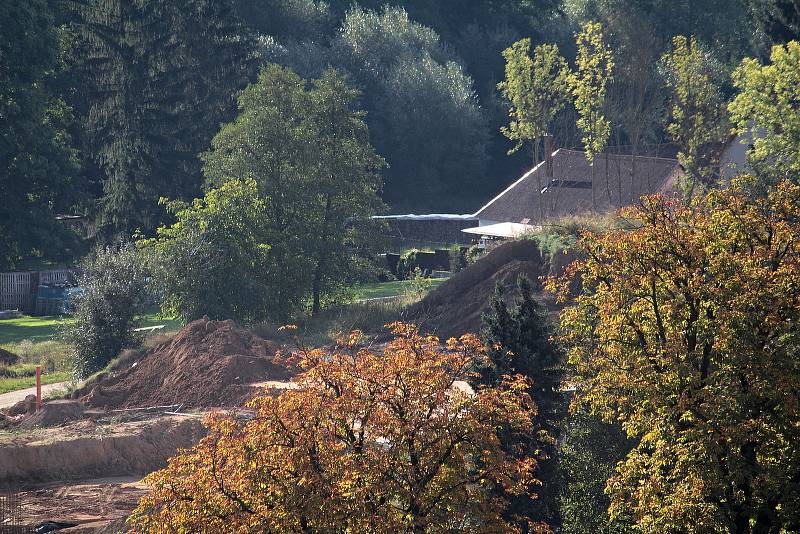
[{"x": 13, "y": 397}]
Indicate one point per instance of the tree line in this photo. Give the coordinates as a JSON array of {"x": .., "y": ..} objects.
[{"x": 107, "y": 105}]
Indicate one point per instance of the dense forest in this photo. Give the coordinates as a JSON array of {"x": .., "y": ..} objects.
[{"x": 107, "y": 105}]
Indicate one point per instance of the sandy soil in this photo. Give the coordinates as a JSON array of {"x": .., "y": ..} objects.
[
  {"x": 91, "y": 448},
  {"x": 92, "y": 504}
]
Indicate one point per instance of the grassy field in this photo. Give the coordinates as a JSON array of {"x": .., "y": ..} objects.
[
  {"x": 35, "y": 340},
  {"x": 13, "y": 384},
  {"x": 391, "y": 289},
  {"x": 39, "y": 329}
]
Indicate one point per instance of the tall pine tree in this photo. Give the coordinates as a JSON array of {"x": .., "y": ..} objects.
[
  {"x": 37, "y": 162},
  {"x": 517, "y": 338},
  {"x": 159, "y": 77}
]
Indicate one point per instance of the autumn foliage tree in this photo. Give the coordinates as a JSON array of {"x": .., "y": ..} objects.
[
  {"x": 367, "y": 442},
  {"x": 686, "y": 332}
]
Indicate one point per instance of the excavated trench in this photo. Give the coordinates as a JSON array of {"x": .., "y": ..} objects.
[{"x": 87, "y": 449}]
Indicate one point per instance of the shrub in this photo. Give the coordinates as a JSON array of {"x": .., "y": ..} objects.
[
  {"x": 8, "y": 358},
  {"x": 216, "y": 259},
  {"x": 474, "y": 253},
  {"x": 114, "y": 293},
  {"x": 407, "y": 264},
  {"x": 458, "y": 261}
]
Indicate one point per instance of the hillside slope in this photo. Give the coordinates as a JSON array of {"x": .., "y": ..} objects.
[{"x": 456, "y": 306}]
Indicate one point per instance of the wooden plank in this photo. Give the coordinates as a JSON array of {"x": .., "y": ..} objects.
[{"x": 18, "y": 290}]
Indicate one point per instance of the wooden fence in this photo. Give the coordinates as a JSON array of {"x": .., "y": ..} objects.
[{"x": 18, "y": 290}]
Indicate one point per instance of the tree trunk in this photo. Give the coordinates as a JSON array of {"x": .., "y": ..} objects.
[
  {"x": 316, "y": 288},
  {"x": 538, "y": 178},
  {"x": 319, "y": 271}
]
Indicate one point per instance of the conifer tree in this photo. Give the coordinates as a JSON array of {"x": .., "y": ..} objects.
[
  {"x": 38, "y": 164},
  {"x": 159, "y": 76},
  {"x": 517, "y": 338}
]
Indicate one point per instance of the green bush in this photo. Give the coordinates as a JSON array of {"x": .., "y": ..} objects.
[
  {"x": 474, "y": 253},
  {"x": 407, "y": 264},
  {"x": 114, "y": 294},
  {"x": 588, "y": 452},
  {"x": 19, "y": 370},
  {"x": 458, "y": 260},
  {"x": 217, "y": 260},
  {"x": 7, "y": 357}
]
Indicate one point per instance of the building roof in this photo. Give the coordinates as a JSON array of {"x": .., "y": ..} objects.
[
  {"x": 504, "y": 229},
  {"x": 619, "y": 180},
  {"x": 426, "y": 217}
]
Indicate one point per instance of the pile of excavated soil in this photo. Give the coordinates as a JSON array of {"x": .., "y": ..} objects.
[
  {"x": 456, "y": 306},
  {"x": 53, "y": 413},
  {"x": 207, "y": 363}
]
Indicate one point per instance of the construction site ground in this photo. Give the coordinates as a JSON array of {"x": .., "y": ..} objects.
[{"x": 94, "y": 505}]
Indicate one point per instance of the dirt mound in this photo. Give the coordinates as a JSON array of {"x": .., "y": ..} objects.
[
  {"x": 53, "y": 413},
  {"x": 456, "y": 306},
  {"x": 207, "y": 363},
  {"x": 25, "y": 406}
]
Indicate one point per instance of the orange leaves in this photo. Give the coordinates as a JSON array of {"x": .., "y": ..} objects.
[{"x": 369, "y": 442}]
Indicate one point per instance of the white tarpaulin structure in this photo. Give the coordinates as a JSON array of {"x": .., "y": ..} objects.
[{"x": 506, "y": 230}]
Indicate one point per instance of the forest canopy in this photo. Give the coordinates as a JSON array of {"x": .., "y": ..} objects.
[{"x": 108, "y": 104}]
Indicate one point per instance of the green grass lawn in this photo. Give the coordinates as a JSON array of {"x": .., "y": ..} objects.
[
  {"x": 13, "y": 384},
  {"x": 390, "y": 289},
  {"x": 43, "y": 346},
  {"x": 46, "y": 328}
]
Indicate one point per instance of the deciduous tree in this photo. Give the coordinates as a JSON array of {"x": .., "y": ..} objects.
[
  {"x": 536, "y": 88},
  {"x": 767, "y": 110},
  {"x": 308, "y": 150},
  {"x": 686, "y": 333},
  {"x": 593, "y": 70},
  {"x": 215, "y": 259},
  {"x": 367, "y": 442},
  {"x": 422, "y": 109},
  {"x": 696, "y": 113}
]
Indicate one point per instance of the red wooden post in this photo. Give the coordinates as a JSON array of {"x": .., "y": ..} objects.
[{"x": 38, "y": 388}]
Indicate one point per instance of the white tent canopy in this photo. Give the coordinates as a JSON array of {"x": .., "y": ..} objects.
[{"x": 506, "y": 230}]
